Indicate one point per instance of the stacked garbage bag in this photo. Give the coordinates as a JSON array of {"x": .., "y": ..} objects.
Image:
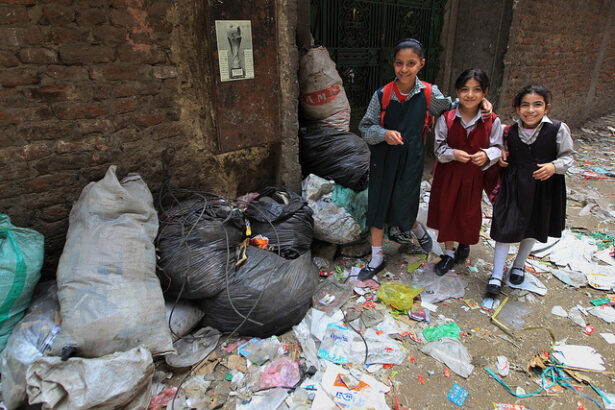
[{"x": 334, "y": 161}]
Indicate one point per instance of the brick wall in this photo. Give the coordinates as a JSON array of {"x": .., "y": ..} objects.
[
  {"x": 557, "y": 43},
  {"x": 85, "y": 84}
]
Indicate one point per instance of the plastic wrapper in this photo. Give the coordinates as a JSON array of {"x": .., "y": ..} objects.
[
  {"x": 270, "y": 294},
  {"x": 29, "y": 340},
  {"x": 285, "y": 219},
  {"x": 119, "y": 380},
  {"x": 282, "y": 372},
  {"x": 197, "y": 243},
  {"x": 452, "y": 353},
  {"x": 110, "y": 297},
  {"x": 323, "y": 100},
  {"x": 332, "y": 154},
  {"x": 397, "y": 295},
  {"x": 193, "y": 348},
  {"x": 438, "y": 288},
  {"x": 332, "y": 223},
  {"x": 437, "y": 333},
  {"x": 21, "y": 259}
]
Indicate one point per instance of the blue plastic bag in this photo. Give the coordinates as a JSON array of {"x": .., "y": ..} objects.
[{"x": 21, "y": 259}]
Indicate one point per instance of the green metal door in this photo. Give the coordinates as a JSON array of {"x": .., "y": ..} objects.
[{"x": 361, "y": 34}]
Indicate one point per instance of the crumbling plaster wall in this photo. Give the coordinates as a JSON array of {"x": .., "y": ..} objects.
[{"x": 85, "y": 84}]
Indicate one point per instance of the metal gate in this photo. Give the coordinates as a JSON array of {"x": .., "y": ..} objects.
[{"x": 361, "y": 34}]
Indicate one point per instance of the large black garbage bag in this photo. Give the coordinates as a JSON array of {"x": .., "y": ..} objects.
[
  {"x": 197, "y": 244},
  {"x": 285, "y": 219},
  {"x": 281, "y": 289},
  {"x": 332, "y": 154}
]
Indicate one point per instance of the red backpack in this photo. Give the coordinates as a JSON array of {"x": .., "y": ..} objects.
[{"x": 386, "y": 98}]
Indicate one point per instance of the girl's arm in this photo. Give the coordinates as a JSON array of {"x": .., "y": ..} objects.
[
  {"x": 441, "y": 149},
  {"x": 496, "y": 143},
  {"x": 565, "y": 150},
  {"x": 440, "y": 103},
  {"x": 370, "y": 128}
]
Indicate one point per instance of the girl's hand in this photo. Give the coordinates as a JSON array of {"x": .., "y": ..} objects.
[
  {"x": 479, "y": 158},
  {"x": 461, "y": 156},
  {"x": 486, "y": 109},
  {"x": 545, "y": 172},
  {"x": 502, "y": 162},
  {"x": 393, "y": 137}
]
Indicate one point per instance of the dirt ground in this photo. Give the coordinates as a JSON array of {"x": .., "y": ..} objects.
[{"x": 483, "y": 339}]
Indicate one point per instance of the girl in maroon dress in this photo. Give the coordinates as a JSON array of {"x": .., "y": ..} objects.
[{"x": 465, "y": 146}]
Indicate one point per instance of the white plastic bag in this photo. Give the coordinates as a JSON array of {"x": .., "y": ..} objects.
[
  {"x": 110, "y": 297},
  {"x": 452, "y": 353}
]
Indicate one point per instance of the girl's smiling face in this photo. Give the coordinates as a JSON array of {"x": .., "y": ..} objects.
[
  {"x": 471, "y": 94},
  {"x": 407, "y": 64},
  {"x": 531, "y": 110}
]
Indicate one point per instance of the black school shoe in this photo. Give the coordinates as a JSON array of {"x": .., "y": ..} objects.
[
  {"x": 494, "y": 286},
  {"x": 516, "y": 276},
  {"x": 446, "y": 263},
  {"x": 368, "y": 272},
  {"x": 462, "y": 252}
]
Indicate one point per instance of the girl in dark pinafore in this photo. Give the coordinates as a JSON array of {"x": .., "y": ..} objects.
[
  {"x": 531, "y": 202},
  {"x": 395, "y": 137}
]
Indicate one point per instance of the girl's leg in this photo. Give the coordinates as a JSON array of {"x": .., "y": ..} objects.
[
  {"x": 377, "y": 262},
  {"x": 421, "y": 235},
  {"x": 499, "y": 259},
  {"x": 447, "y": 261},
  {"x": 377, "y": 236},
  {"x": 517, "y": 273}
]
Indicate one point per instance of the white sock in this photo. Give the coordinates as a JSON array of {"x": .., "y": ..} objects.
[
  {"x": 499, "y": 259},
  {"x": 450, "y": 252},
  {"x": 525, "y": 247},
  {"x": 377, "y": 257},
  {"x": 419, "y": 231}
]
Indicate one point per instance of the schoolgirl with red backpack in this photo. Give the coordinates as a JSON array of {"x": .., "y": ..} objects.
[
  {"x": 466, "y": 145},
  {"x": 393, "y": 127}
]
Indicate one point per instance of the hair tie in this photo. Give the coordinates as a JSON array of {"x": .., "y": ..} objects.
[{"x": 412, "y": 40}]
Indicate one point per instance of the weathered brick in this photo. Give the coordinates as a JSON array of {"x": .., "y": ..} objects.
[
  {"x": 157, "y": 13},
  {"x": 10, "y": 138},
  {"x": 8, "y": 59},
  {"x": 52, "y": 93},
  {"x": 53, "y": 163},
  {"x": 122, "y": 4},
  {"x": 36, "y": 151},
  {"x": 13, "y": 14},
  {"x": 24, "y": 2},
  {"x": 77, "y": 110},
  {"x": 14, "y": 37},
  {"x": 121, "y": 17},
  {"x": 61, "y": 73},
  {"x": 85, "y": 54},
  {"x": 63, "y": 2},
  {"x": 141, "y": 54},
  {"x": 46, "y": 182},
  {"x": 14, "y": 77},
  {"x": 109, "y": 35},
  {"x": 164, "y": 71},
  {"x": 91, "y": 17},
  {"x": 118, "y": 72},
  {"x": 64, "y": 147},
  {"x": 63, "y": 35},
  {"x": 124, "y": 105},
  {"x": 148, "y": 120},
  {"x": 84, "y": 127},
  {"x": 45, "y": 130},
  {"x": 54, "y": 213},
  {"x": 129, "y": 88},
  {"x": 164, "y": 131},
  {"x": 58, "y": 15},
  {"x": 38, "y": 55}
]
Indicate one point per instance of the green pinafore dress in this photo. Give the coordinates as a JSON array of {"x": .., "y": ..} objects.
[{"x": 396, "y": 170}]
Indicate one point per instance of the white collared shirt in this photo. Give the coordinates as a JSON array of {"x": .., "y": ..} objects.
[
  {"x": 444, "y": 153},
  {"x": 563, "y": 139}
]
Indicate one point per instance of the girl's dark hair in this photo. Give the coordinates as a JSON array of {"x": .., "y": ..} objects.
[
  {"x": 473, "y": 73},
  {"x": 412, "y": 43},
  {"x": 532, "y": 89}
]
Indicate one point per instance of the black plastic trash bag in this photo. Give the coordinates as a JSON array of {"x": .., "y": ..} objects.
[
  {"x": 285, "y": 219},
  {"x": 273, "y": 291},
  {"x": 332, "y": 154},
  {"x": 197, "y": 244}
]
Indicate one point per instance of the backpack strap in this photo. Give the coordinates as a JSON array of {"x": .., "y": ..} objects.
[
  {"x": 427, "y": 91},
  {"x": 449, "y": 116},
  {"x": 429, "y": 119},
  {"x": 387, "y": 91}
]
